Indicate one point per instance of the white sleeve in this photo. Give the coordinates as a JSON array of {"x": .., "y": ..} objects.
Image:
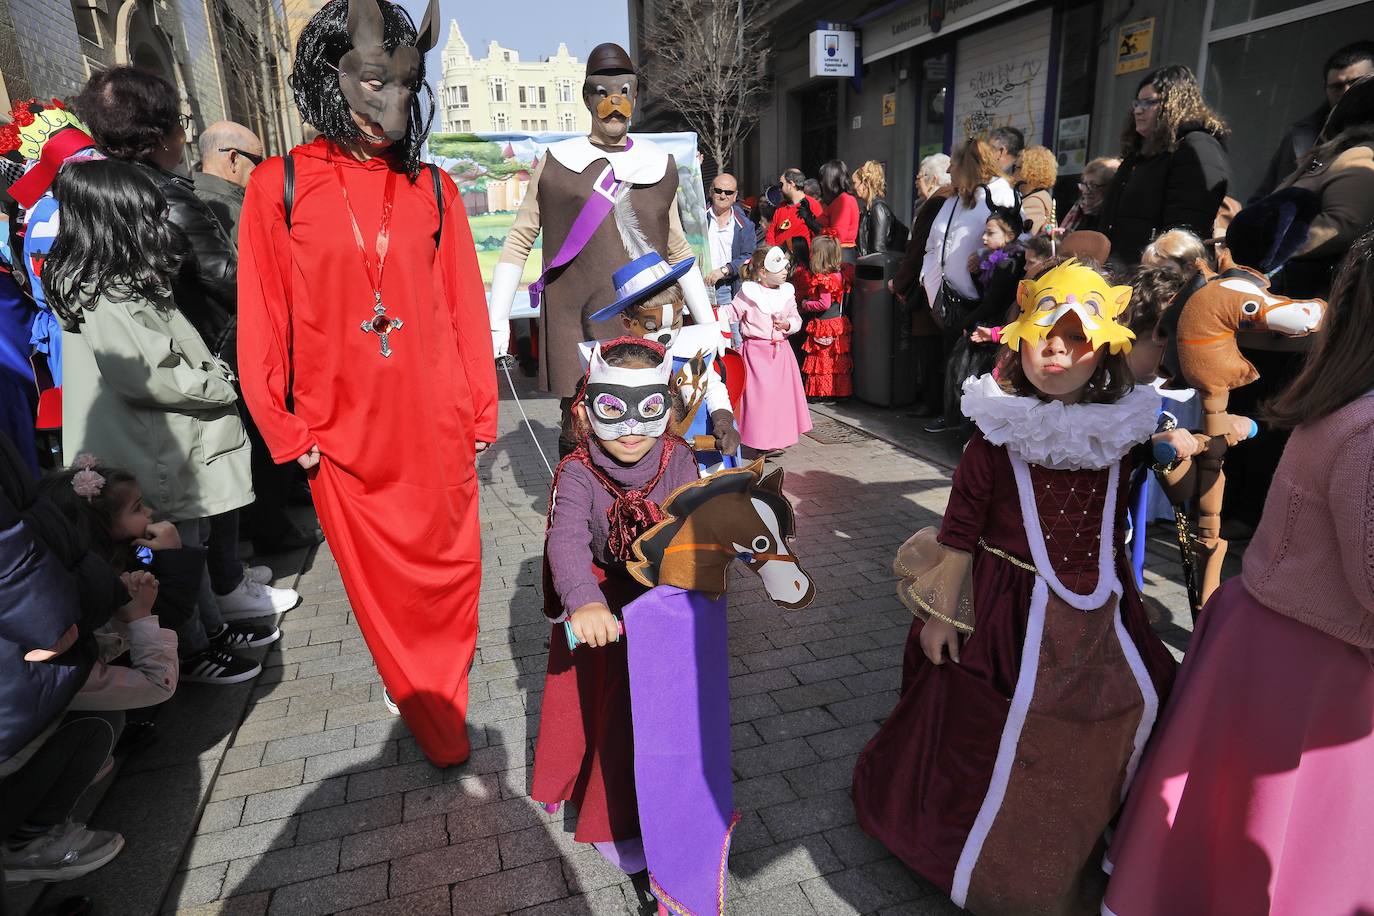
[
  {"x": 717, "y": 396},
  {"x": 152, "y": 679}
]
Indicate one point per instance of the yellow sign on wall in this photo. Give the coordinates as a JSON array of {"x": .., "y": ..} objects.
[
  {"x": 1133, "y": 44},
  {"x": 889, "y": 109}
]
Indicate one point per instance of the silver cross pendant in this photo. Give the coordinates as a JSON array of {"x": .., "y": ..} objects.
[{"x": 382, "y": 325}]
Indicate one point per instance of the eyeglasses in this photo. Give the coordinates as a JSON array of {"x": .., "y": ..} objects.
[
  {"x": 251, "y": 157},
  {"x": 1091, "y": 185},
  {"x": 1145, "y": 104},
  {"x": 186, "y": 121},
  {"x": 724, "y": 192}
]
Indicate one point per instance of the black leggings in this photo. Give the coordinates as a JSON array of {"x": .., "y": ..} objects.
[{"x": 43, "y": 792}]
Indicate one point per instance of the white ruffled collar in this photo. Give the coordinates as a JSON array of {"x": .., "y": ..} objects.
[{"x": 1059, "y": 436}]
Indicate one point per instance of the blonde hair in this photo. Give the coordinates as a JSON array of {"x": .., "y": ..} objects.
[
  {"x": 1177, "y": 248},
  {"x": 825, "y": 255},
  {"x": 1036, "y": 169},
  {"x": 1105, "y": 166},
  {"x": 972, "y": 165},
  {"x": 669, "y": 295},
  {"x": 873, "y": 179}
]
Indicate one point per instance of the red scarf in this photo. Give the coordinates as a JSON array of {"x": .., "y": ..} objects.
[{"x": 632, "y": 512}]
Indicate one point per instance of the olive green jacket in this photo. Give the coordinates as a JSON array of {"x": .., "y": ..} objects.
[{"x": 141, "y": 391}]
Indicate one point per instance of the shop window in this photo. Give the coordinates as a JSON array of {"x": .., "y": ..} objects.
[
  {"x": 1234, "y": 12},
  {"x": 1262, "y": 82}
]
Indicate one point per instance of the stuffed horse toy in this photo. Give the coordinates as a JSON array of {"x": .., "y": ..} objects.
[
  {"x": 1202, "y": 323},
  {"x": 679, "y": 670}
]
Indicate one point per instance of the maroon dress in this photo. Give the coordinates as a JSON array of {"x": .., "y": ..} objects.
[{"x": 996, "y": 777}]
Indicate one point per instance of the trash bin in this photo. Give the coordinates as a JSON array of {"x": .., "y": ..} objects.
[{"x": 884, "y": 362}]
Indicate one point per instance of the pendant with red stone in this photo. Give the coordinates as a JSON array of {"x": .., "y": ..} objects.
[{"x": 382, "y": 325}]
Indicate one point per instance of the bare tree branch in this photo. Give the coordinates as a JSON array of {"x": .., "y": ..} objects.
[{"x": 707, "y": 61}]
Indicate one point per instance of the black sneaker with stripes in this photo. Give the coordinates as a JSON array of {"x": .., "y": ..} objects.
[
  {"x": 216, "y": 666},
  {"x": 244, "y": 636}
]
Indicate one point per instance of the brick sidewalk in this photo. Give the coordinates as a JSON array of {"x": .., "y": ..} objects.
[{"x": 323, "y": 804}]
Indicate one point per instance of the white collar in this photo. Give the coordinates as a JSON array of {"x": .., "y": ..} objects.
[
  {"x": 645, "y": 162},
  {"x": 1057, "y": 435}
]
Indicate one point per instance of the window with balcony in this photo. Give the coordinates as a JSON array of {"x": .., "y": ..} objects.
[
  {"x": 565, "y": 90},
  {"x": 498, "y": 90}
]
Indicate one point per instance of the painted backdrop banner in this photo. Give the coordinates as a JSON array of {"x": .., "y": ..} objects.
[{"x": 493, "y": 174}]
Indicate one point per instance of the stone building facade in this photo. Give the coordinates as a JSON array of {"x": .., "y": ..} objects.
[
  {"x": 227, "y": 58},
  {"x": 501, "y": 93}
]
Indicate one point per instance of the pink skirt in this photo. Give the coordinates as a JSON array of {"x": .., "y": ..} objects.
[
  {"x": 773, "y": 411},
  {"x": 1257, "y": 793}
]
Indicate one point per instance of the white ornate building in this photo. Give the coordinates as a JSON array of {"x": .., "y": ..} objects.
[{"x": 501, "y": 93}]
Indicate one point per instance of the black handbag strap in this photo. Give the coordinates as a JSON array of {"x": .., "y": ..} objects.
[
  {"x": 288, "y": 192},
  {"x": 288, "y": 185}
]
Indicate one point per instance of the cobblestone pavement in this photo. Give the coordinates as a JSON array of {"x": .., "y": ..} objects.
[{"x": 323, "y": 804}]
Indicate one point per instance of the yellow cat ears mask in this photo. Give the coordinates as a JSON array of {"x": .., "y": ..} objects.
[{"x": 1071, "y": 287}]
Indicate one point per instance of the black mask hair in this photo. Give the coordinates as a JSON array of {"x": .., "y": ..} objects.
[{"x": 315, "y": 81}]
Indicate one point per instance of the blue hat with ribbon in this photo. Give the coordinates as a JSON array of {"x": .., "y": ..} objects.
[{"x": 640, "y": 279}]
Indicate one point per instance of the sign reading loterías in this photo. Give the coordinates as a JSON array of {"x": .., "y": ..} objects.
[{"x": 832, "y": 49}]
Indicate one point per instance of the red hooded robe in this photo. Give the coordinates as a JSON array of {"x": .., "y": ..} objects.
[{"x": 396, "y": 489}]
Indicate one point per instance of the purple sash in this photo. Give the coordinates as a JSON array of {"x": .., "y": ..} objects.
[
  {"x": 680, "y": 706},
  {"x": 598, "y": 206}
]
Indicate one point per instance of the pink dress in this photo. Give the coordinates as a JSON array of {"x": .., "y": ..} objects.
[
  {"x": 1257, "y": 794},
  {"x": 773, "y": 411}
]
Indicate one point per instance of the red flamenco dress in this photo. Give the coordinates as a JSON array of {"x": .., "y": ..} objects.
[
  {"x": 396, "y": 487},
  {"x": 997, "y": 776},
  {"x": 828, "y": 367}
]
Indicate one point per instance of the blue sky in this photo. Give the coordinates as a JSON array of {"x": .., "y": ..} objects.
[{"x": 535, "y": 27}]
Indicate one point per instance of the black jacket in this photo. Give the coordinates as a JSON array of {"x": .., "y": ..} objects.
[
  {"x": 206, "y": 290},
  {"x": 48, "y": 581},
  {"x": 1152, "y": 194},
  {"x": 874, "y": 227}
]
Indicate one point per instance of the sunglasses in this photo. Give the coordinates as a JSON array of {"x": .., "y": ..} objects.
[
  {"x": 251, "y": 157},
  {"x": 724, "y": 192}
]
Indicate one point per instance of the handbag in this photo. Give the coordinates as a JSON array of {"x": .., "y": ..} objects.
[{"x": 949, "y": 303}]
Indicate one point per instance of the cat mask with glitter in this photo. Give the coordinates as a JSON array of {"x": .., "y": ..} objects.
[
  {"x": 627, "y": 402},
  {"x": 378, "y": 84}
]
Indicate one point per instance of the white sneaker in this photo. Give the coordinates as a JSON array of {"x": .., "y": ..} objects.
[
  {"x": 390, "y": 703},
  {"x": 260, "y": 574},
  {"x": 253, "y": 599},
  {"x": 67, "y": 851}
]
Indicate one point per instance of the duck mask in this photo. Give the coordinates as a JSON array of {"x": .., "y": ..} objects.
[
  {"x": 627, "y": 402},
  {"x": 609, "y": 92},
  {"x": 378, "y": 84},
  {"x": 1071, "y": 287}
]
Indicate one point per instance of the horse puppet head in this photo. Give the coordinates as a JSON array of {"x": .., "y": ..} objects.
[
  {"x": 738, "y": 514},
  {"x": 1205, "y": 316}
]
